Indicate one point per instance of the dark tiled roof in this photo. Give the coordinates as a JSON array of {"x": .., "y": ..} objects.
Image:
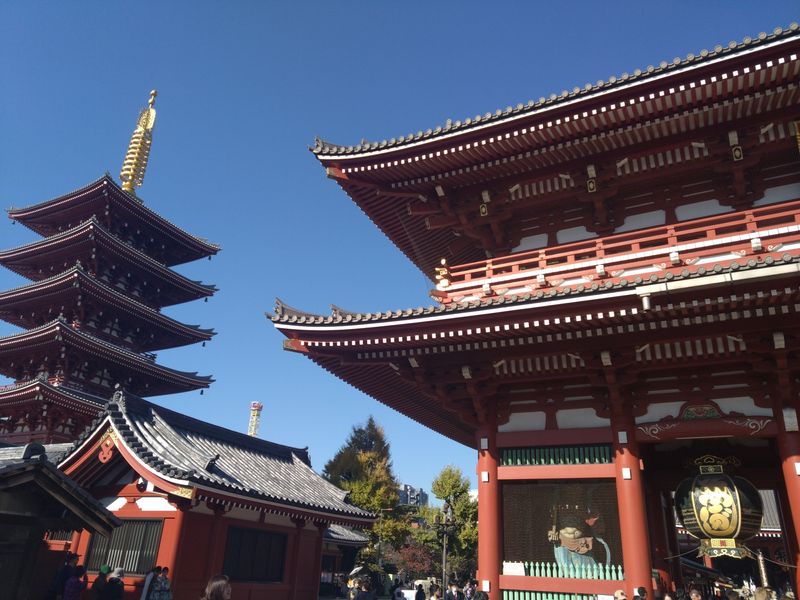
[
  {"x": 77, "y": 500},
  {"x": 296, "y": 317},
  {"x": 328, "y": 150},
  {"x": 181, "y": 447},
  {"x": 345, "y": 536},
  {"x": 139, "y": 362},
  {"x": 76, "y": 277},
  {"x": 131, "y": 201},
  {"x": 54, "y": 452}
]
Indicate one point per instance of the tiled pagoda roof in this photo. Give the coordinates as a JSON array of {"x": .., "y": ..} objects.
[
  {"x": 77, "y": 281},
  {"x": 215, "y": 459},
  {"x": 157, "y": 379},
  {"x": 674, "y": 68},
  {"x": 82, "y": 204},
  {"x": 76, "y": 400},
  {"x": 81, "y": 240}
]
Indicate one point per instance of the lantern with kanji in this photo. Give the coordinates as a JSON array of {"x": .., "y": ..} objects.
[{"x": 719, "y": 509}]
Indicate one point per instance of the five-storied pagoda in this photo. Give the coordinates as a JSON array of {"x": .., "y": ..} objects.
[
  {"x": 92, "y": 314},
  {"x": 619, "y": 302}
]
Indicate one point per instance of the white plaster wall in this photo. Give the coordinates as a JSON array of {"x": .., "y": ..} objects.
[
  {"x": 154, "y": 504},
  {"x": 744, "y": 405},
  {"x": 113, "y": 503},
  {"x": 648, "y": 219},
  {"x": 532, "y": 242},
  {"x": 527, "y": 421},
  {"x": 580, "y": 418},
  {"x": 656, "y": 412},
  {"x": 698, "y": 210},
  {"x": 780, "y": 193},
  {"x": 573, "y": 234}
]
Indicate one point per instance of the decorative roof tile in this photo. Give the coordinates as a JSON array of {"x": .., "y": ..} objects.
[
  {"x": 324, "y": 149},
  {"x": 539, "y": 295},
  {"x": 179, "y": 446}
]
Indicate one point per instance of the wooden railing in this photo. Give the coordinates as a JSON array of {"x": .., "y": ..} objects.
[
  {"x": 747, "y": 232},
  {"x": 570, "y": 571}
]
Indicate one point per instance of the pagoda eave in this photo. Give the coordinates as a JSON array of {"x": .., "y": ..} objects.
[
  {"x": 56, "y": 340},
  {"x": 67, "y": 292},
  {"x": 42, "y": 391},
  {"x": 45, "y": 258},
  {"x": 100, "y": 198}
]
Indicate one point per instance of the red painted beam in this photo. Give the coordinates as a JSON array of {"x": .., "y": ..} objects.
[
  {"x": 594, "y": 471},
  {"x": 554, "y": 437}
]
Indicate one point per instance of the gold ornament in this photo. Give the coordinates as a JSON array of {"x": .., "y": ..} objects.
[{"x": 135, "y": 163}]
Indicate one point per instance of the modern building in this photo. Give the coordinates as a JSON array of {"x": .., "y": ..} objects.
[
  {"x": 412, "y": 496},
  {"x": 617, "y": 282}
]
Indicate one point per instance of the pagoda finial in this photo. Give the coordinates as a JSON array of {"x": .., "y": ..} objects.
[{"x": 135, "y": 163}]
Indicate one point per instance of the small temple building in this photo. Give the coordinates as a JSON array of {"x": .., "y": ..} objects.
[
  {"x": 202, "y": 500},
  {"x": 617, "y": 273}
]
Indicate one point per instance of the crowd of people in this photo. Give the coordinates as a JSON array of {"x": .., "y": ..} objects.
[
  {"x": 363, "y": 589},
  {"x": 71, "y": 581},
  {"x": 760, "y": 593}
]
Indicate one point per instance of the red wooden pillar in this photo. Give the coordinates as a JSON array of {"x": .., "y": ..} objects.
[
  {"x": 321, "y": 527},
  {"x": 789, "y": 450},
  {"x": 656, "y": 510},
  {"x": 631, "y": 502},
  {"x": 785, "y": 412},
  {"x": 174, "y": 543},
  {"x": 299, "y": 525},
  {"x": 490, "y": 535}
]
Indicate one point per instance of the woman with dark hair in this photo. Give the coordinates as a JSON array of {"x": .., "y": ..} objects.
[{"x": 218, "y": 588}]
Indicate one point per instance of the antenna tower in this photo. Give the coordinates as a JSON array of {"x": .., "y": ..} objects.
[{"x": 255, "y": 418}]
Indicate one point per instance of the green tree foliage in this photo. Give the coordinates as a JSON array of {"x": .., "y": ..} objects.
[
  {"x": 363, "y": 467},
  {"x": 346, "y": 465},
  {"x": 452, "y": 487}
]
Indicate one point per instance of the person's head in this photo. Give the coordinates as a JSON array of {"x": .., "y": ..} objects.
[
  {"x": 365, "y": 584},
  {"x": 419, "y": 587},
  {"x": 218, "y": 588},
  {"x": 118, "y": 573},
  {"x": 620, "y": 595},
  {"x": 641, "y": 592},
  {"x": 164, "y": 571},
  {"x": 72, "y": 559},
  {"x": 453, "y": 586},
  {"x": 105, "y": 570},
  {"x": 157, "y": 570},
  {"x": 668, "y": 596},
  {"x": 695, "y": 594},
  {"x": 79, "y": 571}
]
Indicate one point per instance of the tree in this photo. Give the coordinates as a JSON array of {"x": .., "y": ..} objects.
[
  {"x": 452, "y": 487},
  {"x": 363, "y": 467},
  {"x": 345, "y": 464}
]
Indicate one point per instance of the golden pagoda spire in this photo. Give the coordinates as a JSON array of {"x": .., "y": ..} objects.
[{"x": 135, "y": 163}]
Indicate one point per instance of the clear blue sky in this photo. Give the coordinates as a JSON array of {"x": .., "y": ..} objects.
[{"x": 243, "y": 89}]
